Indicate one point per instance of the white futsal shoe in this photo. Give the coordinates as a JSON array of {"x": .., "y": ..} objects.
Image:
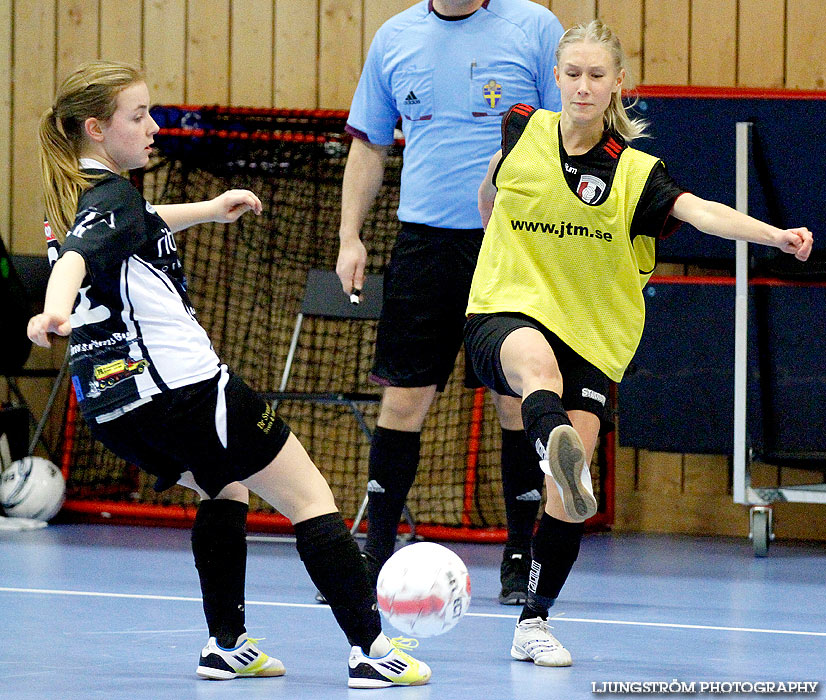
[
  {"x": 245, "y": 660},
  {"x": 566, "y": 464},
  {"x": 533, "y": 641}
]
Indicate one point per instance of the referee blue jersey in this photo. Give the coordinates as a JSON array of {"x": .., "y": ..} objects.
[{"x": 451, "y": 81}]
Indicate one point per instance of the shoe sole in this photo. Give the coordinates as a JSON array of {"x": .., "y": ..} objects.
[
  {"x": 215, "y": 674},
  {"x": 368, "y": 683},
  {"x": 566, "y": 455},
  {"x": 520, "y": 655},
  {"x": 513, "y": 598}
]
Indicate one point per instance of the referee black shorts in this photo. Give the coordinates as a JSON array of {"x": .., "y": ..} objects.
[
  {"x": 426, "y": 286},
  {"x": 585, "y": 388},
  {"x": 218, "y": 429}
]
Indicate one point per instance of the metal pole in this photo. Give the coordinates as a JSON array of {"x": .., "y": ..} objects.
[{"x": 741, "y": 308}]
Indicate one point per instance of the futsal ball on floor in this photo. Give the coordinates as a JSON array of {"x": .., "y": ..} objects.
[
  {"x": 32, "y": 487},
  {"x": 424, "y": 589}
]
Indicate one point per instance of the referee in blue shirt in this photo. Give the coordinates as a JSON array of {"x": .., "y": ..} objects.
[{"x": 449, "y": 69}]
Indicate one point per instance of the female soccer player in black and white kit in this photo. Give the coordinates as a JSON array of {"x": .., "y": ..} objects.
[
  {"x": 556, "y": 309},
  {"x": 152, "y": 389}
]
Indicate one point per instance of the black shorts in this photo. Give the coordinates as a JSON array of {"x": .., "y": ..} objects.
[
  {"x": 585, "y": 388},
  {"x": 219, "y": 429},
  {"x": 426, "y": 286}
]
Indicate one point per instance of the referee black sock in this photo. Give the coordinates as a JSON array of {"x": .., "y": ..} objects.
[
  {"x": 394, "y": 459},
  {"x": 522, "y": 482},
  {"x": 542, "y": 411},
  {"x": 219, "y": 545},
  {"x": 554, "y": 550},
  {"x": 332, "y": 558}
]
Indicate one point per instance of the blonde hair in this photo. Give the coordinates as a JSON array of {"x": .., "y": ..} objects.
[
  {"x": 90, "y": 91},
  {"x": 616, "y": 117}
]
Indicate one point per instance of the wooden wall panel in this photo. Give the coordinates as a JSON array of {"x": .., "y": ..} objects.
[
  {"x": 6, "y": 43},
  {"x": 164, "y": 49},
  {"x": 806, "y": 36},
  {"x": 32, "y": 92},
  {"x": 713, "y": 47},
  {"x": 665, "y": 49},
  {"x": 207, "y": 52},
  {"x": 121, "y": 36},
  {"x": 625, "y": 17},
  {"x": 296, "y": 54},
  {"x": 340, "y": 52},
  {"x": 761, "y": 43},
  {"x": 659, "y": 472},
  {"x": 77, "y": 35},
  {"x": 251, "y": 53},
  {"x": 571, "y": 12},
  {"x": 376, "y": 13}
]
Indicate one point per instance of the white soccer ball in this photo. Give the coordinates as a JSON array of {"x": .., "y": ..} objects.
[
  {"x": 424, "y": 589},
  {"x": 32, "y": 487}
]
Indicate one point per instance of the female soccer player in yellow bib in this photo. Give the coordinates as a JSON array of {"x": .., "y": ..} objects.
[{"x": 556, "y": 311}]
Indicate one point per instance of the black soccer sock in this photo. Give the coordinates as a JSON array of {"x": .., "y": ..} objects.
[
  {"x": 522, "y": 481},
  {"x": 219, "y": 545},
  {"x": 331, "y": 557},
  {"x": 555, "y": 548},
  {"x": 394, "y": 459},
  {"x": 542, "y": 411}
]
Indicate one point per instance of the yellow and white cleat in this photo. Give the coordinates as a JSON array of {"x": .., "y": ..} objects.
[
  {"x": 396, "y": 667},
  {"x": 245, "y": 660}
]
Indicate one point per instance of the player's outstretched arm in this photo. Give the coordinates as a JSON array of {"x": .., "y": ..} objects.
[
  {"x": 723, "y": 221},
  {"x": 363, "y": 176},
  {"x": 223, "y": 209},
  {"x": 487, "y": 190},
  {"x": 64, "y": 282}
]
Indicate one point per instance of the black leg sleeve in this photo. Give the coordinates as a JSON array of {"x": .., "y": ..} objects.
[
  {"x": 219, "y": 545},
  {"x": 522, "y": 482},
  {"x": 394, "y": 460},
  {"x": 335, "y": 565}
]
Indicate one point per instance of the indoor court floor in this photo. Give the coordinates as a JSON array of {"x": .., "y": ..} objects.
[{"x": 111, "y": 612}]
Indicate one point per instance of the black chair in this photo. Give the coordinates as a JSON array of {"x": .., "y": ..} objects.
[
  {"x": 23, "y": 280},
  {"x": 324, "y": 298}
]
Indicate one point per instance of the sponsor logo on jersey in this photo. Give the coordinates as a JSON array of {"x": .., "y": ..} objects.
[
  {"x": 591, "y": 394},
  {"x": 411, "y": 99},
  {"x": 113, "y": 372},
  {"x": 561, "y": 230},
  {"x": 492, "y": 92},
  {"x": 89, "y": 218},
  {"x": 590, "y": 189},
  {"x": 47, "y": 229}
]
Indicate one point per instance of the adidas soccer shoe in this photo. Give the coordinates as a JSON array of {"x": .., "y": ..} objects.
[
  {"x": 566, "y": 464},
  {"x": 246, "y": 660},
  {"x": 396, "y": 667},
  {"x": 513, "y": 575},
  {"x": 533, "y": 641}
]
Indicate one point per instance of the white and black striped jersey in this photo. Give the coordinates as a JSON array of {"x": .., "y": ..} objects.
[{"x": 134, "y": 332}]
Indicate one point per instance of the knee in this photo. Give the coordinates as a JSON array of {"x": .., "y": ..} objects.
[{"x": 405, "y": 408}]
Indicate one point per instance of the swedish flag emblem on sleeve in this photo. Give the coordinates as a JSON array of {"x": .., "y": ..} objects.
[{"x": 492, "y": 92}]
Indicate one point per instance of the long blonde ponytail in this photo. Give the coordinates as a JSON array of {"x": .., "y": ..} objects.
[
  {"x": 90, "y": 91},
  {"x": 616, "y": 116}
]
